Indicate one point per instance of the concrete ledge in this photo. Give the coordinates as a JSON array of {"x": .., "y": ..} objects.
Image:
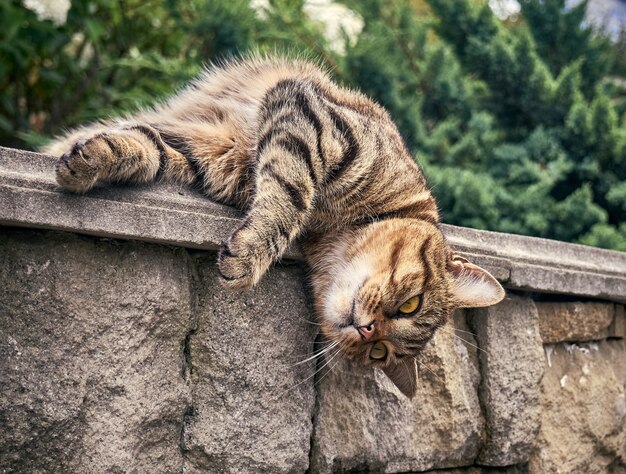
[{"x": 177, "y": 215}]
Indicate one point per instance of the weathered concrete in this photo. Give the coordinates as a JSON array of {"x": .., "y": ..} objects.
[
  {"x": 576, "y": 321},
  {"x": 511, "y": 360},
  {"x": 583, "y": 409},
  {"x": 177, "y": 215},
  {"x": 252, "y": 398},
  {"x": 91, "y": 354},
  {"x": 163, "y": 213},
  {"x": 364, "y": 423}
]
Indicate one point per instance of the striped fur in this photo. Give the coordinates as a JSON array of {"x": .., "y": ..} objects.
[{"x": 303, "y": 157}]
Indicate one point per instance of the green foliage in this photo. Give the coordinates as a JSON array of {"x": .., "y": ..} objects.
[
  {"x": 519, "y": 125},
  {"x": 108, "y": 57},
  {"x": 559, "y": 167},
  {"x": 562, "y": 38}
]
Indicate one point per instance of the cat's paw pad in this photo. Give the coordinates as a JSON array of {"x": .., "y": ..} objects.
[
  {"x": 241, "y": 262},
  {"x": 78, "y": 170}
]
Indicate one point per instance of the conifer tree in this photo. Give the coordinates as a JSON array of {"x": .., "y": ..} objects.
[{"x": 559, "y": 169}]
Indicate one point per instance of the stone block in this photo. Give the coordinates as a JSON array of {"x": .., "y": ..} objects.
[
  {"x": 511, "y": 363},
  {"x": 252, "y": 398},
  {"x": 574, "y": 321},
  {"x": 91, "y": 346},
  {"x": 364, "y": 424},
  {"x": 583, "y": 409}
]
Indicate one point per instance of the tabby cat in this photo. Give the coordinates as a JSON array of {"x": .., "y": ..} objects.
[{"x": 304, "y": 158}]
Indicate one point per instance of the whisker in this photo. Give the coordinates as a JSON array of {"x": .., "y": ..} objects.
[
  {"x": 316, "y": 354},
  {"x": 469, "y": 343},
  {"x": 451, "y": 327},
  {"x": 316, "y": 350},
  {"x": 329, "y": 370},
  {"x": 284, "y": 392},
  {"x": 300, "y": 354},
  {"x": 322, "y": 352},
  {"x": 466, "y": 332},
  {"x": 308, "y": 321},
  {"x": 429, "y": 370},
  {"x": 306, "y": 379}
]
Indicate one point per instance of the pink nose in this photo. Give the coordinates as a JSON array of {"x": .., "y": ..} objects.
[{"x": 367, "y": 331}]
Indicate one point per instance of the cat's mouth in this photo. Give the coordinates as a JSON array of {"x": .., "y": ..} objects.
[{"x": 359, "y": 348}]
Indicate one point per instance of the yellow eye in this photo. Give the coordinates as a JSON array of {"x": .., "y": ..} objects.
[
  {"x": 379, "y": 351},
  {"x": 410, "y": 306}
]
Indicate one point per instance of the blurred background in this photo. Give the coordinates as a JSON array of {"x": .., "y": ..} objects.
[{"x": 515, "y": 110}]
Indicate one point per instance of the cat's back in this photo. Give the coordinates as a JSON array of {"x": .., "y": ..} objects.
[{"x": 238, "y": 87}]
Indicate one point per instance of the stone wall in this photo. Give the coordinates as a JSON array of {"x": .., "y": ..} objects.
[{"x": 119, "y": 352}]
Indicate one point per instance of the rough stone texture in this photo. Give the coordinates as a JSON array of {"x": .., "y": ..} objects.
[
  {"x": 252, "y": 399},
  {"x": 364, "y": 423},
  {"x": 121, "y": 357},
  {"x": 517, "y": 469},
  {"x": 170, "y": 214},
  {"x": 583, "y": 416},
  {"x": 511, "y": 364},
  {"x": 559, "y": 322},
  {"x": 91, "y": 354}
]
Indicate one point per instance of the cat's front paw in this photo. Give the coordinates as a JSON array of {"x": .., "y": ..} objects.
[
  {"x": 78, "y": 170},
  {"x": 242, "y": 261}
]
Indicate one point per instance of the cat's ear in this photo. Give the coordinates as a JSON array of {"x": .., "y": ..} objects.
[
  {"x": 472, "y": 286},
  {"x": 403, "y": 373}
]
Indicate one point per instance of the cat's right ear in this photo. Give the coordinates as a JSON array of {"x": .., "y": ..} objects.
[{"x": 472, "y": 286}]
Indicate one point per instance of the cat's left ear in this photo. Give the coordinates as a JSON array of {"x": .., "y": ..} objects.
[
  {"x": 472, "y": 286},
  {"x": 403, "y": 373}
]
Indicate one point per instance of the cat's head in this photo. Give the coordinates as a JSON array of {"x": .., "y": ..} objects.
[{"x": 388, "y": 287}]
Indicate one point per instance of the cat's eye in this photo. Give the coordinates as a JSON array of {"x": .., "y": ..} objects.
[
  {"x": 410, "y": 306},
  {"x": 379, "y": 351}
]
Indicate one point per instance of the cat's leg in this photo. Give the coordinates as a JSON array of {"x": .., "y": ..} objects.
[
  {"x": 214, "y": 156},
  {"x": 130, "y": 152},
  {"x": 288, "y": 169}
]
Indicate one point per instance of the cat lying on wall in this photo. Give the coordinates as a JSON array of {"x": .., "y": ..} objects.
[{"x": 303, "y": 158}]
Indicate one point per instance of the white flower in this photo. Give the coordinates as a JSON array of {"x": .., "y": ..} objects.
[
  {"x": 55, "y": 10},
  {"x": 260, "y": 8},
  {"x": 504, "y": 8},
  {"x": 338, "y": 20}
]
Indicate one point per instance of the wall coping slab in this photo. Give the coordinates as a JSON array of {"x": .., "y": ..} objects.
[{"x": 178, "y": 215}]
